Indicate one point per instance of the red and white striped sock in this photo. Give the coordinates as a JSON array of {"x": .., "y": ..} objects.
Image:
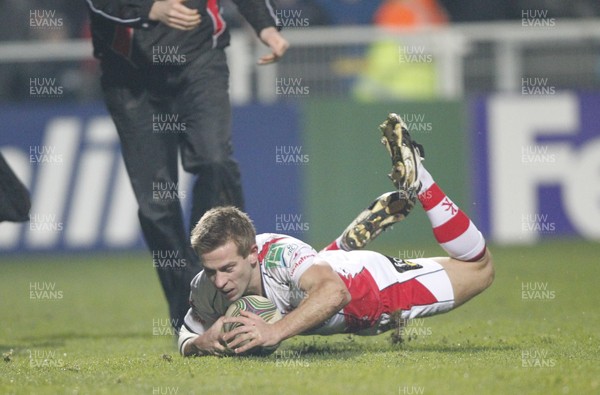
[{"x": 453, "y": 230}]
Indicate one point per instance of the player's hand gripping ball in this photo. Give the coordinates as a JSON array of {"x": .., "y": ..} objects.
[{"x": 260, "y": 306}]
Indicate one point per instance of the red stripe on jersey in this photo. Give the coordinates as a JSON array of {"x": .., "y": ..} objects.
[
  {"x": 265, "y": 248},
  {"x": 365, "y": 307},
  {"x": 122, "y": 40},
  {"x": 406, "y": 295},
  {"x": 450, "y": 230},
  {"x": 212, "y": 7},
  {"x": 431, "y": 197}
]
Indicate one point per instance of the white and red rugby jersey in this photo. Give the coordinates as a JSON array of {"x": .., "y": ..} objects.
[{"x": 378, "y": 285}]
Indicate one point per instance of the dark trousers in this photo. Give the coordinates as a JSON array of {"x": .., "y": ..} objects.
[
  {"x": 160, "y": 112},
  {"x": 14, "y": 197}
]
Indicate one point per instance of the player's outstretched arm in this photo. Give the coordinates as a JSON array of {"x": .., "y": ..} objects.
[
  {"x": 326, "y": 295},
  {"x": 207, "y": 343}
]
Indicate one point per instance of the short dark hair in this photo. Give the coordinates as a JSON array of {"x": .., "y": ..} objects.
[{"x": 220, "y": 225}]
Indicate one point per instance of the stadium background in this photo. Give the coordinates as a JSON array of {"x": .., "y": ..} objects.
[{"x": 504, "y": 97}]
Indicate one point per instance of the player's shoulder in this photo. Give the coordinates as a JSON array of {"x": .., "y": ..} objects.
[
  {"x": 279, "y": 246},
  {"x": 282, "y": 255}
]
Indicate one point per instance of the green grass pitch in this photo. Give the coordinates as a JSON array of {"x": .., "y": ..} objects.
[{"x": 98, "y": 325}]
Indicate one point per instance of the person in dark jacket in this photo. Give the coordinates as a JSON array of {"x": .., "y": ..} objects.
[{"x": 165, "y": 82}]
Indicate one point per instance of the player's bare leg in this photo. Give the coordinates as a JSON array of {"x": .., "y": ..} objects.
[{"x": 469, "y": 264}]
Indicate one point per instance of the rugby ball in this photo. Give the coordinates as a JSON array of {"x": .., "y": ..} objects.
[{"x": 260, "y": 306}]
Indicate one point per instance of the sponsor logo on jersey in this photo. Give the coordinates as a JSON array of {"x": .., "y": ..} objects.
[
  {"x": 300, "y": 261},
  {"x": 402, "y": 265},
  {"x": 274, "y": 257}
]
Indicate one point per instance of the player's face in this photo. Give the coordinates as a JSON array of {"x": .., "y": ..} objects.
[{"x": 232, "y": 274}]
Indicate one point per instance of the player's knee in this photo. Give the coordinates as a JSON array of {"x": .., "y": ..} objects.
[{"x": 487, "y": 270}]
